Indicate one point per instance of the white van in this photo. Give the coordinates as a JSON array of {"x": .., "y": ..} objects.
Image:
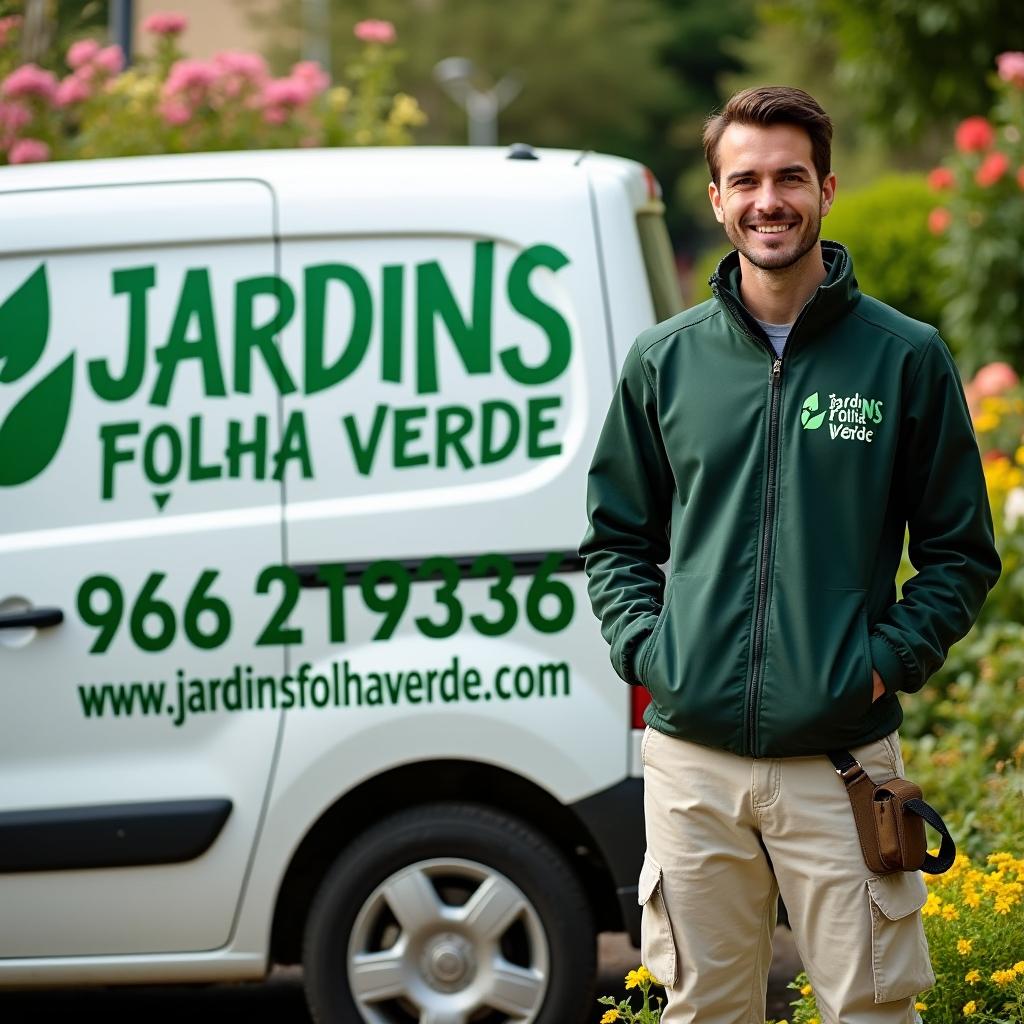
[{"x": 297, "y": 663}]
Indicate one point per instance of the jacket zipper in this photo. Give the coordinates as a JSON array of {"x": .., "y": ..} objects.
[
  {"x": 760, "y": 613},
  {"x": 766, "y": 536},
  {"x": 766, "y": 532}
]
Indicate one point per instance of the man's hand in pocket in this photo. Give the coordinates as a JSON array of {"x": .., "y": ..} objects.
[{"x": 879, "y": 686}]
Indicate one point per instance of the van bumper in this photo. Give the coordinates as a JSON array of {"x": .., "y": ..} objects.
[{"x": 615, "y": 818}]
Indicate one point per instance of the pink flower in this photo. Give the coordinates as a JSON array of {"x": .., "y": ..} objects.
[
  {"x": 30, "y": 80},
  {"x": 941, "y": 178},
  {"x": 1020, "y": 176},
  {"x": 285, "y": 92},
  {"x": 73, "y": 89},
  {"x": 165, "y": 23},
  {"x": 994, "y": 379},
  {"x": 938, "y": 220},
  {"x": 28, "y": 151},
  {"x": 973, "y": 135},
  {"x": 7, "y": 25},
  {"x": 1011, "y": 67},
  {"x": 110, "y": 59},
  {"x": 13, "y": 117},
  {"x": 992, "y": 168},
  {"x": 275, "y": 115},
  {"x": 314, "y": 76},
  {"x": 372, "y": 30},
  {"x": 238, "y": 73},
  {"x": 82, "y": 53},
  {"x": 174, "y": 112},
  {"x": 188, "y": 83},
  {"x": 241, "y": 64}
]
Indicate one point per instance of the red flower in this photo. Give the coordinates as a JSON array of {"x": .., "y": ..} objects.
[
  {"x": 974, "y": 135},
  {"x": 941, "y": 178},
  {"x": 992, "y": 168},
  {"x": 938, "y": 220}
]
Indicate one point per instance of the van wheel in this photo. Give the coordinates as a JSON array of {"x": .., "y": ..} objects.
[{"x": 450, "y": 914}]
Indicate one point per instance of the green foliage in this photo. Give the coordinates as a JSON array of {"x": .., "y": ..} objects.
[
  {"x": 885, "y": 227},
  {"x": 909, "y": 65},
  {"x": 982, "y": 257}
]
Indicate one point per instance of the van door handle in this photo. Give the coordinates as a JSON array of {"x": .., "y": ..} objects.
[{"x": 33, "y": 617}]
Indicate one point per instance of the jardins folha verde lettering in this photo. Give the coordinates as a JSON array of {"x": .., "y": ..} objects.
[{"x": 180, "y": 449}]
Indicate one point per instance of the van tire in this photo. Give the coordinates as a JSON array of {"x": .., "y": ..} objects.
[{"x": 467, "y": 836}]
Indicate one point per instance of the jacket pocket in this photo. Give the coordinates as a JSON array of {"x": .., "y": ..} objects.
[
  {"x": 816, "y": 690},
  {"x": 657, "y": 943},
  {"x": 648, "y": 645},
  {"x": 695, "y": 662},
  {"x": 900, "y": 960}
]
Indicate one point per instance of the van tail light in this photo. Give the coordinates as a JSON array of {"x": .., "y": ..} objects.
[
  {"x": 641, "y": 697},
  {"x": 653, "y": 187}
]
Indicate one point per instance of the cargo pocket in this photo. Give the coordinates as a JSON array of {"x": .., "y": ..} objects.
[
  {"x": 900, "y": 960},
  {"x": 657, "y": 945}
]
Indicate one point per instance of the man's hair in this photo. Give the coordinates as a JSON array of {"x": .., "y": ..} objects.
[{"x": 772, "y": 104}]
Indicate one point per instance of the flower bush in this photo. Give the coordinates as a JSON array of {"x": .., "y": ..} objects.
[
  {"x": 974, "y": 922},
  {"x": 980, "y": 220},
  {"x": 171, "y": 104}
]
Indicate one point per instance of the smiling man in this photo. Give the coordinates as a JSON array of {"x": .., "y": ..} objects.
[{"x": 771, "y": 447}]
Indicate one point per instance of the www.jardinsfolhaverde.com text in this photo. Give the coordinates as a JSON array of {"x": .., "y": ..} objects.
[{"x": 331, "y": 685}]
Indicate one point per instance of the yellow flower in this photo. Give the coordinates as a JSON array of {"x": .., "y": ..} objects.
[
  {"x": 609, "y": 1016},
  {"x": 970, "y": 1008},
  {"x": 1003, "y": 977},
  {"x": 972, "y": 976},
  {"x": 920, "y": 1006},
  {"x": 1019, "y": 966},
  {"x": 637, "y": 977},
  {"x": 963, "y": 946},
  {"x": 806, "y": 990},
  {"x": 949, "y": 912},
  {"x": 1019, "y": 456},
  {"x": 814, "y": 1020},
  {"x": 985, "y": 422},
  {"x": 995, "y": 404},
  {"x": 932, "y": 905}
]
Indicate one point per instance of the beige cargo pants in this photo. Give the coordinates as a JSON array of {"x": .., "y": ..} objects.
[{"x": 709, "y": 888}]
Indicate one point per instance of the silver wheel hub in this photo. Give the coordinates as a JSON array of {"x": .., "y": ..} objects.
[
  {"x": 448, "y": 962},
  {"x": 445, "y": 940}
]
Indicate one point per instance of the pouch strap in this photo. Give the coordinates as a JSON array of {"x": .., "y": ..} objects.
[
  {"x": 849, "y": 770},
  {"x": 947, "y": 851}
]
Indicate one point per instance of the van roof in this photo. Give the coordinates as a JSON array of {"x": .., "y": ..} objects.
[{"x": 416, "y": 169}]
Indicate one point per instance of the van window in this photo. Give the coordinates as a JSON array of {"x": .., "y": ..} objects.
[{"x": 658, "y": 259}]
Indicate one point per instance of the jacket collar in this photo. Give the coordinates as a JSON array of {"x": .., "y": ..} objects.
[{"x": 832, "y": 299}]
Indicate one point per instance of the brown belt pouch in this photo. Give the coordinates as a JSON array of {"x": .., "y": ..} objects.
[{"x": 890, "y": 821}]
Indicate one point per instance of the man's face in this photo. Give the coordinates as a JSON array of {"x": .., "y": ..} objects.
[{"x": 768, "y": 198}]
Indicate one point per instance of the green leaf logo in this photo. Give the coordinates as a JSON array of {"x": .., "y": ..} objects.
[
  {"x": 807, "y": 417},
  {"x": 24, "y": 326},
  {"x": 34, "y": 428}
]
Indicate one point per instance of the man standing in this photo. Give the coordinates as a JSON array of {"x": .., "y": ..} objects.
[{"x": 772, "y": 445}]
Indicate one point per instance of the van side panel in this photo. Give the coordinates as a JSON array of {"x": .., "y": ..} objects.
[
  {"x": 139, "y": 499},
  {"x": 445, "y": 608}
]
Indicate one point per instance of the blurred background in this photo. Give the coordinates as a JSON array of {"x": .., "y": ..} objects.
[{"x": 927, "y": 97}]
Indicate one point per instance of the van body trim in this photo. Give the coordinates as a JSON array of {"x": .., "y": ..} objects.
[
  {"x": 110, "y": 835},
  {"x": 524, "y": 563}
]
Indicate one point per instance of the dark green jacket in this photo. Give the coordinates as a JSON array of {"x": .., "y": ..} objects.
[{"x": 778, "y": 491}]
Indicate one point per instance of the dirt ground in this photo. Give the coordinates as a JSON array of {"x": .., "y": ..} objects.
[{"x": 279, "y": 999}]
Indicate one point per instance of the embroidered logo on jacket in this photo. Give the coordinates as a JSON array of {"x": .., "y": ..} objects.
[{"x": 847, "y": 416}]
